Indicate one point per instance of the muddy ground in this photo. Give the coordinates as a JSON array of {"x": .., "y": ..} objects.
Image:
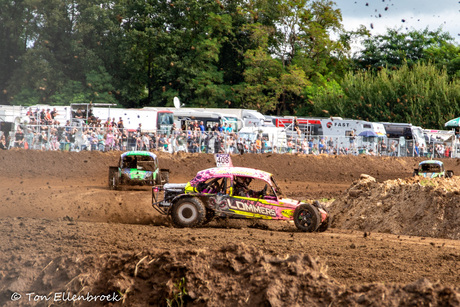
[{"x": 69, "y": 240}]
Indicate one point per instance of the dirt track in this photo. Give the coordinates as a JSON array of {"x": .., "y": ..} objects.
[{"x": 63, "y": 230}]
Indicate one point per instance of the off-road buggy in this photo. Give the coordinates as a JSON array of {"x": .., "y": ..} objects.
[
  {"x": 137, "y": 168},
  {"x": 432, "y": 169},
  {"x": 235, "y": 192}
]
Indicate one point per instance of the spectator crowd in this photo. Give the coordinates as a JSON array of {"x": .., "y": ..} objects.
[{"x": 44, "y": 132}]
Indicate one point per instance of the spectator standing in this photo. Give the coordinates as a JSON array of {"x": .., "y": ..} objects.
[
  {"x": 352, "y": 139},
  {"x": 258, "y": 145},
  {"x": 63, "y": 141},
  {"x": 70, "y": 136},
  {"x": 422, "y": 150},
  {"x": 196, "y": 126},
  {"x": 92, "y": 138},
  {"x": 447, "y": 152},
  {"x": 315, "y": 149},
  {"x": 182, "y": 143},
  {"x": 19, "y": 138},
  {"x": 330, "y": 143},
  {"x": 303, "y": 147},
  {"x": 120, "y": 124},
  {"x": 290, "y": 145},
  {"x": 3, "y": 145},
  {"x": 393, "y": 149},
  {"x": 296, "y": 126},
  {"x": 36, "y": 143},
  {"x": 310, "y": 145},
  {"x": 124, "y": 139},
  {"x": 322, "y": 146},
  {"x": 225, "y": 128},
  {"x": 229, "y": 129},
  {"x": 100, "y": 140},
  {"x": 202, "y": 127},
  {"x": 240, "y": 146},
  {"x": 383, "y": 147},
  {"x": 217, "y": 144},
  {"x": 85, "y": 143},
  {"x": 131, "y": 141},
  {"x": 145, "y": 141},
  {"x": 28, "y": 139},
  {"x": 109, "y": 139},
  {"x": 139, "y": 143},
  {"x": 230, "y": 144},
  {"x": 416, "y": 150},
  {"x": 206, "y": 142},
  {"x": 174, "y": 129},
  {"x": 162, "y": 142},
  {"x": 215, "y": 128},
  {"x": 153, "y": 141},
  {"x": 44, "y": 141}
]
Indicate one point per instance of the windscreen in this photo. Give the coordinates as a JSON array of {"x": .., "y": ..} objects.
[{"x": 165, "y": 119}]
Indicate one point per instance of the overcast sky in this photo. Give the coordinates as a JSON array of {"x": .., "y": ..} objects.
[{"x": 410, "y": 14}]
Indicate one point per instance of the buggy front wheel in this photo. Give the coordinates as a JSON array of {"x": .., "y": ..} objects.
[
  {"x": 188, "y": 212},
  {"x": 307, "y": 218},
  {"x": 113, "y": 178}
]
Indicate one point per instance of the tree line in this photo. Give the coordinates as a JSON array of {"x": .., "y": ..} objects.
[{"x": 276, "y": 56}]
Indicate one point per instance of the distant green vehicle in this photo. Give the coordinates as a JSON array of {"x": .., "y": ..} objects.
[
  {"x": 432, "y": 169},
  {"x": 137, "y": 168}
]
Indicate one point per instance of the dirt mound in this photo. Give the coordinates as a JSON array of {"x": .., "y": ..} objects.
[
  {"x": 415, "y": 206},
  {"x": 238, "y": 275}
]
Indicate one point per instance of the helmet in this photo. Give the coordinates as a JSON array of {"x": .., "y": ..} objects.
[{"x": 240, "y": 180}]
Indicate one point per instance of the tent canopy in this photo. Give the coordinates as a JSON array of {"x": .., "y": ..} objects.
[{"x": 453, "y": 123}]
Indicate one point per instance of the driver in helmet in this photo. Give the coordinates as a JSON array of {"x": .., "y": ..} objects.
[{"x": 242, "y": 186}]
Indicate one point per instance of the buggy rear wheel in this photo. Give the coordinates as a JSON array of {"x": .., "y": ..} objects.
[
  {"x": 164, "y": 176},
  {"x": 306, "y": 218},
  {"x": 113, "y": 178},
  {"x": 188, "y": 212}
]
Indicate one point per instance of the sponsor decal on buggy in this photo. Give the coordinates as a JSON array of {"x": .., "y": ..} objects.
[
  {"x": 251, "y": 207},
  {"x": 288, "y": 213},
  {"x": 136, "y": 174},
  {"x": 223, "y": 202},
  {"x": 219, "y": 202}
]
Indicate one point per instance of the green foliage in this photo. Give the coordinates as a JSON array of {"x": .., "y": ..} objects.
[
  {"x": 71, "y": 92},
  {"x": 178, "y": 294},
  {"x": 144, "y": 53},
  {"x": 396, "y": 48},
  {"x": 99, "y": 86},
  {"x": 422, "y": 95},
  {"x": 276, "y": 56}
]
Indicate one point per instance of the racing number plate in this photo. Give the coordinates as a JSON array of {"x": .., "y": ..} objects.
[{"x": 223, "y": 160}]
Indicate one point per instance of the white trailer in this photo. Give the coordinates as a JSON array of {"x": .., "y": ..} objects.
[{"x": 406, "y": 131}]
